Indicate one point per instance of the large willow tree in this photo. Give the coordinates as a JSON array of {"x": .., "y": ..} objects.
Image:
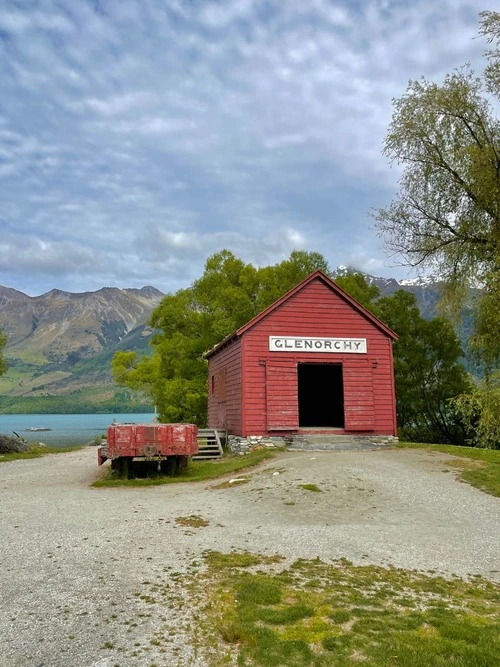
[{"x": 446, "y": 215}]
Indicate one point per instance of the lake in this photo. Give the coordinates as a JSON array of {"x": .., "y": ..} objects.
[{"x": 66, "y": 430}]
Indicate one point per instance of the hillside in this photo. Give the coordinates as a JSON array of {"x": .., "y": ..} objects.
[{"x": 60, "y": 345}]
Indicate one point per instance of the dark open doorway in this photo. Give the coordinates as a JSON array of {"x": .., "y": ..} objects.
[{"x": 321, "y": 395}]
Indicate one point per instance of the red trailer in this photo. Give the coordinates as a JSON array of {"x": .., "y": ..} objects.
[{"x": 167, "y": 445}]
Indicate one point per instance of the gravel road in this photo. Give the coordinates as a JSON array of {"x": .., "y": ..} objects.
[{"x": 74, "y": 559}]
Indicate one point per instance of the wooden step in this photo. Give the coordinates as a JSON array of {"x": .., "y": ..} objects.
[{"x": 210, "y": 444}]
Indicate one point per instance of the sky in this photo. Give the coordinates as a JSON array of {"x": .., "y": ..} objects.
[{"x": 139, "y": 137}]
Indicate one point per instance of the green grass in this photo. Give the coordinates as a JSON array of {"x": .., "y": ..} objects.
[
  {"x": 315, "y": 614},
  {"x": 237, "y": 559},
  {"x": 197, "y": 471},
  {"x": 192, "y": 521},
  {"x": 310, "y": 487},
  {"x": 35, "y": 452},
  {"x": 482, "y": 469}
]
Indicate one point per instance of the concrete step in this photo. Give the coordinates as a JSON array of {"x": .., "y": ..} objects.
[
  {"x": 337, "y": 447},
  {"x": 329, "y": 437},
  {"x": 337, "y": 442}
]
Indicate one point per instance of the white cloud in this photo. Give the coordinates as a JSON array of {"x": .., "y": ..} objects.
[
  {"x": 169, "y": 130},
  {"x": 220, "y": 15},
  {"x": 117, "y": 104},
  {"x": 14, "y": 22}
]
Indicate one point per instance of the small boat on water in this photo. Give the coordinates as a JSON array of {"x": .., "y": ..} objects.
[{"x": 38, "y": 428}]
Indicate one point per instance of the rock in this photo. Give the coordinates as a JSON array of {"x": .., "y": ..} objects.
[
  {"x": 237, "y": 444},
  {"x": 12, "y": 445}
]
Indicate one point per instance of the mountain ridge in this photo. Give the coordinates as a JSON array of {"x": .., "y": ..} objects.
[
  {"x": 55, "y": 338},
  {"x": 427, "y": 289}
]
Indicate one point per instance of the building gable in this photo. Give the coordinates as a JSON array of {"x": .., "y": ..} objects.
[
  {"x": 315, "y": 319},
  {"x": 298, "y": 291},
  {"x": 319, "y": 276}
]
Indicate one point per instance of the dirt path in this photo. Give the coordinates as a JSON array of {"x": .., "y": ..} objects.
[{"x": 74, "y": 559}]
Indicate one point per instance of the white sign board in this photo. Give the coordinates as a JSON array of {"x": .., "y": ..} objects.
[{"x": 306, "y": 344}]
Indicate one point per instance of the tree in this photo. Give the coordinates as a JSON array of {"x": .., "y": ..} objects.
[
  {"x": 427, "y": 371},
  {"x": 193, "y": 320},
  {"x": 447, "y": 213},
  {"x": 355, "y": 285},
  {"x": 490, "y": 28},
  {"x": 479, "y": 410},
  {"x": 428, "y": 374},
  {"x": 3, "y": 343},
  {"x": 278, "y": 279}
]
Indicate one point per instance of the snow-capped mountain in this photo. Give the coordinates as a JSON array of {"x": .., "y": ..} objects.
[
  {"x": 420, "y": 281},
  {"x": 427, "y": 289}
]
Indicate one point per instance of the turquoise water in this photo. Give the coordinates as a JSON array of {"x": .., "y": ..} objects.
[{"x": 66, "y": 430}]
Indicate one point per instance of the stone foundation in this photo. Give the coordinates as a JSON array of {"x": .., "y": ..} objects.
[{"x": 239, "y": 445}]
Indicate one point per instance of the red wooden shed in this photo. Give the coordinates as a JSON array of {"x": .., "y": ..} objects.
[{"x": 315, "y": 361}]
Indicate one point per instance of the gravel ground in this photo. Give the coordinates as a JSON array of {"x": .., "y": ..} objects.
[{"x": 75, "y": 559}]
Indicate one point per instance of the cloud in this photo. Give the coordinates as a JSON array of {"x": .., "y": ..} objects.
[
  {"x": 220, "y": 16},
  {"x": 138, "y": 137},
  {"x": 28, "y": 253}
]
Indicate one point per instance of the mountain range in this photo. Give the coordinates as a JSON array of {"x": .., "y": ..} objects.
[
  {"x": 427, "y": 289},
  {"x": 60, "y": 344}
]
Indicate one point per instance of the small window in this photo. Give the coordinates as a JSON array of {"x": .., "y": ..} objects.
[{"x": 212, "y": 389}]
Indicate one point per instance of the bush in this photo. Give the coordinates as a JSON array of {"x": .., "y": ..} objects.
[{"x": 479, "y": 411}]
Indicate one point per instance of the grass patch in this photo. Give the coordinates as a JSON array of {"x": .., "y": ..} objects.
[
  {"x": 35, "y": 452},
  {"x": 238, "y": 559},
  {"x": 197, "y": 471},
  {"x": 310, "y": 487},
  {"x": 194, "y": 521},
  {"x": 484, "y": 473},
  {"x": 315, "y": 614}
]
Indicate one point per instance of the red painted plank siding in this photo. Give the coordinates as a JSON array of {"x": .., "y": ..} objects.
[
  {"x": 225, "y": 405},
  {"x": 359, "y": 408},
  {"x": 282, "y": 404}
]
